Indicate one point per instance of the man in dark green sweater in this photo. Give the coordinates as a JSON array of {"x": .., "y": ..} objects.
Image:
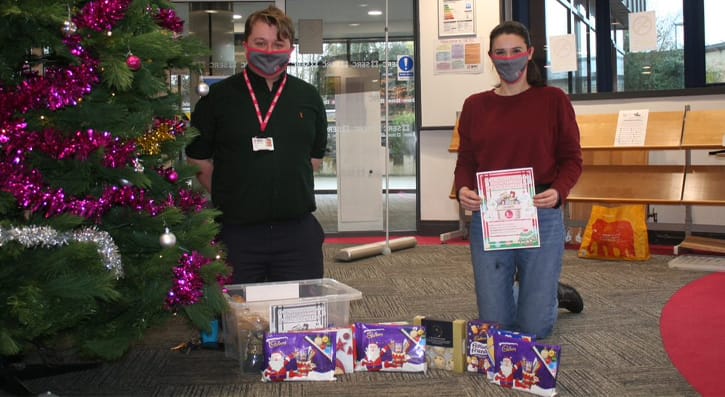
[{"x": 262, "y": 135}]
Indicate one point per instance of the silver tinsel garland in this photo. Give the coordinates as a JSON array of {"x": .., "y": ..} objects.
[{"x": 45, "y": 236}]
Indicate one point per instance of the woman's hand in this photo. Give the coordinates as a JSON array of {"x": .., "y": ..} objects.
[
  {"x": 549, "y": 198},
  {"x": 469, "y": 199}
]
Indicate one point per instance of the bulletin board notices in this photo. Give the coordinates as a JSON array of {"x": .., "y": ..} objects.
[{"x": 458, "y": 56}]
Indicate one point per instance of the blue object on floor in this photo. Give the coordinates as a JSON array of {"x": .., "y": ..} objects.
[{"x": 210, "y": 340}]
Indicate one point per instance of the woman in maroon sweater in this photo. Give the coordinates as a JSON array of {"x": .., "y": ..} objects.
[{"x": 520, "y": 123}]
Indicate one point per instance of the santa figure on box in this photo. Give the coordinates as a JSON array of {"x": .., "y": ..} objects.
[
  {"x": 528, "y": 374},
  {"x": 505, "y": 375},
  {"x": 276, "y": 370},
  {"x": 373, "y": 360}
]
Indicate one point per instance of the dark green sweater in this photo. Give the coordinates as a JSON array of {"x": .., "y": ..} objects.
[{"x": 264, "y": 186}]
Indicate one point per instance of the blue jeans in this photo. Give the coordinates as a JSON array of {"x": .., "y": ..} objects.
[{"x": 536, "y": 308}]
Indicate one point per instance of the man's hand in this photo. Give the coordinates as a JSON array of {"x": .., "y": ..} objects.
[{"x": 206, "y": 168}]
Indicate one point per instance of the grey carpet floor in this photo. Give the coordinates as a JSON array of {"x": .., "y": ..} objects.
[{"x": 612, "y": 348}]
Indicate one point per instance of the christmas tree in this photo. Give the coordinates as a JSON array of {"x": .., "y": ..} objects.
[{"x": 102, "y": 235}]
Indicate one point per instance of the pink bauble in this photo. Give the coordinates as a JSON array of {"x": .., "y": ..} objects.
[
  {"x": 133, "y": 62},
  {"x": 173, "y": 176}
]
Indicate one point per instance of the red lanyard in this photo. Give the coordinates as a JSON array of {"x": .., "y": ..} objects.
[{"x": 263, "y": 122}]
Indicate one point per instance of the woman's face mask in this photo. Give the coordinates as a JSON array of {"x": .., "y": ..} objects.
[
  {"x": 267, "y": 63},
  {"x": 510, "y": 69}
]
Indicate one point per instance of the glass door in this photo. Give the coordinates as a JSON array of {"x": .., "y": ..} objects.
[{"x": 354, "y": 57}]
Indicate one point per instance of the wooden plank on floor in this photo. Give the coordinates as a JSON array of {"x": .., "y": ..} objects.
[
  {"x": 707, "y": 263},
  {"x": 702, "y": 244}
]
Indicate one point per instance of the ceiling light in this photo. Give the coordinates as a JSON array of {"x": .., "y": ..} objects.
[
  {"x": 236, "y": 16},
  {"x": 375, "y": 12},
  {"x": 354, "y": 24}
]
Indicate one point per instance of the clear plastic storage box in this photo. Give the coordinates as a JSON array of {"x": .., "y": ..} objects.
[{"x": 321, "y": 303}]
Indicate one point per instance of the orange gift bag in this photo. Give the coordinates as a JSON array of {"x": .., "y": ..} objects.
[{"x": 616, "y": 233}]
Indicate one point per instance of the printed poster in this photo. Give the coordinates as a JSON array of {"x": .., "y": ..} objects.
[
  {"x": 456, "y": 18},
  {"x": 459, "y": 56},
  {"x": 508, "y": 215},
  {"x": 631, "y": 127}
]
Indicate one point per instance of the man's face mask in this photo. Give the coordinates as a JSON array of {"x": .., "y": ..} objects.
[
  {"x": 267, "y": 63},
  {"x": 511, "y": 68}
]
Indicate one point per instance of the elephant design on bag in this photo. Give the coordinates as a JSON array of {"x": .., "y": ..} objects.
[{"x": 612, "y": 239}]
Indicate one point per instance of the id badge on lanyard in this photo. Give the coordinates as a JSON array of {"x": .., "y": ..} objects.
[{"x": 261, "y": 142}]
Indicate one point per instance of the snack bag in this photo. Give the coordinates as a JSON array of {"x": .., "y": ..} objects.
[
  {"x": 496, "y": 334},
  {"x": 478, "y": 358},
  {"x": 299, "y": 356},
  {"x": 445, "y": 343},
  {"x": 389, "y": 347},
  {"x": 344, "y": 360},
  {"x": 526, "y": 365}
]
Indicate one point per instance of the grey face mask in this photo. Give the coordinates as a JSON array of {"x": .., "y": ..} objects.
[
  {"x": 510, "y": 69},
  {"x": 267, "y": 63}
]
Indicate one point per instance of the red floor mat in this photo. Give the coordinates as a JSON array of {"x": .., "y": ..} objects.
[{"x": 693, "y": 333}]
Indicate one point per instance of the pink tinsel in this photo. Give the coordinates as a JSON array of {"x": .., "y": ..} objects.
[
  {"x": 101, "y": 15},
  {"x": 188, "y": 285},
  {"x": 166, "y": 18}
]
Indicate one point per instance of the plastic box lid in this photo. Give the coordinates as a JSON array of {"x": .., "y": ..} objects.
[{"x": 309, "y": 290}]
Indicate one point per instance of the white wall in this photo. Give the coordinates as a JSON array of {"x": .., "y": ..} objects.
[
  {"x": 436, "y": 177},
  {"x": 443, "y": 95}
]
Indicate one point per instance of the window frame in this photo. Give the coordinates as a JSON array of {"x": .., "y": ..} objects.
[{"x": 532, "y": 14}]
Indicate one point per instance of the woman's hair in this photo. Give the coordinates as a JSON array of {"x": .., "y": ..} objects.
[
  {"x": 533, "y": 74},
  {"x": 275, "y": 17}
]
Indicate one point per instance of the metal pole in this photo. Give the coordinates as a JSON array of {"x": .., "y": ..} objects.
[{"x": 387, "y": 250}]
